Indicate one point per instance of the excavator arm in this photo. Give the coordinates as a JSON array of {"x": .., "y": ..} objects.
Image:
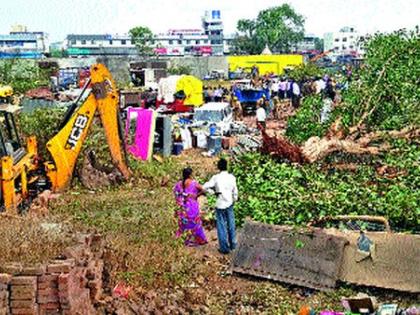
[
  {"x": 319, "y": 56},
  {"x": 66, "y": 145}
]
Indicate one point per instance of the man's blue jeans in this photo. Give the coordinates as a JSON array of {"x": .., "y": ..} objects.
[{"x": 225, "y": 224}]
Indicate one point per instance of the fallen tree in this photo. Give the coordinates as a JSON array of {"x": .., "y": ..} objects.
[{"x": 383, "y": 103}]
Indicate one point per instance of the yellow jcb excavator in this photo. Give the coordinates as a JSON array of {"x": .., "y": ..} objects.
[{"x": 23, "y": 176}]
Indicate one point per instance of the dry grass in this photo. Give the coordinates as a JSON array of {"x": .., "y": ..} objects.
[{"x": 31, "y": 240}]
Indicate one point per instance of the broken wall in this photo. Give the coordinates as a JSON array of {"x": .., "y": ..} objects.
[{"x": 70, "y": 285}]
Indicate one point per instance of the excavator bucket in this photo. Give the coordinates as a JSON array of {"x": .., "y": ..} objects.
[
  {"x": 66, "y": 145},
  {"x": 106, "y": 95}
]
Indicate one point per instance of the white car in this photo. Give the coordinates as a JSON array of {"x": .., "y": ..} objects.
[{"x": 219, "y": 114}]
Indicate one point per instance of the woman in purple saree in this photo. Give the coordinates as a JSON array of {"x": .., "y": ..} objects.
[{"x": 186, "y": 193}]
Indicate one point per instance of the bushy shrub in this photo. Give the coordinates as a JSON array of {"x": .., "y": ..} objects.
[
  {"x": 389, "y": 83},
  {"x": 307, "y": 121},
  {"x": 281, "y": 193},
  {"x": 22, "y": 75}
]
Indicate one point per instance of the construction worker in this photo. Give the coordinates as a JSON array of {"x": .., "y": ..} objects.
[{"x": 261, "y": 115}]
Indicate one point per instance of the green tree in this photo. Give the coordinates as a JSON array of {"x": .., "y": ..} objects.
[
  {"x": 143, "y": 38},
  {"x": 279, "y": 27},
  {"x": 179, "y": 70},
  {"x": 319, "y": 44}
]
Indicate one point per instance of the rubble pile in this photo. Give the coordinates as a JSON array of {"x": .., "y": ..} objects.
[
  {"x": 246, "y": 143},
  {"x": 69, "y": 285},
  {"x": 40, "y": 93}
]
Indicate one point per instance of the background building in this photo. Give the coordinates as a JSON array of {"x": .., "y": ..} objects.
[
  {"x": 344, "y": 42},
  {"x": 20, "y": 43},
  {"x": 176, "y": 42},
  {"x": 99, "y": 44},
  {"x": 307, "y": 45},
  {"x": 183, "y": 42},
  {"x": 213, "y": 28}
]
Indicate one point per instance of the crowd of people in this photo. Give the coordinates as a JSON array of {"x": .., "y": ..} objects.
[
  {"x": 215, "y": 94},
  {"x": 223, "y": 185}
]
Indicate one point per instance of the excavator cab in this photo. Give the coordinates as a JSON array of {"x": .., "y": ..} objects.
[
  {"x": 10, "y": 143},
  {"x": 22, "y": 175}
]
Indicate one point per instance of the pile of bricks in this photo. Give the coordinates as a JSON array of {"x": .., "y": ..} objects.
[{"x": 71, "y": 285}]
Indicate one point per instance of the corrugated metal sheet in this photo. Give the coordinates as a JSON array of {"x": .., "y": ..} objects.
[
  {"x": 307, "y": 258},
  {"x": 394, "y": 264}
]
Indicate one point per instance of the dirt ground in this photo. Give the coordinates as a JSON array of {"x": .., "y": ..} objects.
[{"x": 164, "y": 277}]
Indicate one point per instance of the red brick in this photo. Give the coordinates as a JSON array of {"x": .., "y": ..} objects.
[
  {"x": 4, "y": 295},
  {"x": 4, "y": 310},
  {"x": 95, "y": 269},
  {"x": 85, "y": 239},
  {"x": 49, "y": 312},
  {"x": 48, "y": 277},
  {"x": 5, "y": 278},
  {"x": 4, "y": 303},
  {"x": 79, "y": 253},
  {"x": 22, "y": 304},
  {"x": 50, "y": 306},
  {"x": 22, "y": 293},
  {"x": 49, "y": 291},
  {"x": 47, "y": 285},
  {"x": 48, "y": 281},
  {"x": 24, "y": 311},
  {"x": 63, "y": 267},
  {"x": 35, "y": 270},
  {"x": 96, "y": 295},
  {"x": 24, "y": 280},
  {"x": 47, "y": 296},
  {"x": 12, "y": 269}
]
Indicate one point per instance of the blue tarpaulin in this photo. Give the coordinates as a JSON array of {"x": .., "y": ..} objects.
[{"x": 251, "y": 95}]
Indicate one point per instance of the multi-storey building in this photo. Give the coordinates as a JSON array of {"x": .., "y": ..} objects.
[
  {"x": 183, "y": 42},
  {"x": 20, "y": 43},
  {"x": 307, "y": 44},
  {"x": 176, "y": 42},
  {"x": 99, "y": 44},
  {"x": 213, "y": 28},
  {"x": 344, "y": 42}
]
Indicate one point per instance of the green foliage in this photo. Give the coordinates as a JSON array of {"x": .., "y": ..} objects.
[
  {"x": 389, "y": 85},
  {"x": 305, "y": 71},
  {"x": 319, "y": 44},
  {"x": 143, "y": 38},
  {"x": 281, "y": 193},
  {"x": 58, "y": 53},
  {"x": 307, "y": 121},
  {"x": 278, "y": 27},
  {"x": 22, "y": 75},
  {"x": 179, "y": 70},
  {"x": 42, "y": 123}
]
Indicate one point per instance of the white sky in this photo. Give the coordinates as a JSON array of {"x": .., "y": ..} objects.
[{"x": 62, "y": 17}]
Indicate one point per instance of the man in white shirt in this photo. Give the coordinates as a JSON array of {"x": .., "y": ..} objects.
[
  {"x": 261, "y": 115},
  {"x": 295, "y": 94},
  {"x": 224, "y": 186}
]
